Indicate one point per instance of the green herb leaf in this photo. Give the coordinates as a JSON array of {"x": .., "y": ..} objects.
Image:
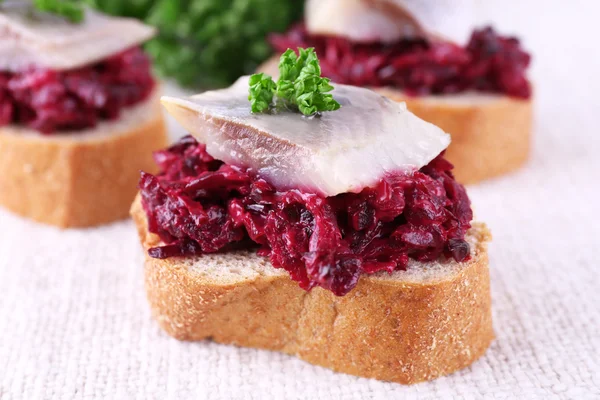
[
  {"x": 313, "y": 102},
  {"x": 290, "y": 64},
  {"x": 300, "y": 84},
  {"x": 262, "y": 89}
]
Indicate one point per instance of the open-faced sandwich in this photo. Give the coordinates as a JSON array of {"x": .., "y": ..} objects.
[
  {"x": 322, "y": 224},
  {"x": 406, "y": 49},
  {"x": 79, "y": 114}
]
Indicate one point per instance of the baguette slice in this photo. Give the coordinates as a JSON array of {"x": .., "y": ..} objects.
[
  {"x": 80, "y": 179},
  {"x": 491, "y": 133},
  {"x": 411, "y": 326}
]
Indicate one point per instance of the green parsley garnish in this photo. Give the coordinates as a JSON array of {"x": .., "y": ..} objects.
[
  {"x": 300, "y": 86},
  {"x": 262, "y": 89}
]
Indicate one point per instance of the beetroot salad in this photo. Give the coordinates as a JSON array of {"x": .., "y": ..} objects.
[
  {"x": 199, "y": 205},
  {"x": 50, "y": 101},
  {"x": 488, "y": 63}
]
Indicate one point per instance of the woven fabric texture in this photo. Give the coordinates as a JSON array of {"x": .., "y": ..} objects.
[{"x": 74, "y": 323}]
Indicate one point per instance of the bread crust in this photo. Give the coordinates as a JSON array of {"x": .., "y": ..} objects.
[
  {"x": 72, "y": 181},
  {"x": 490, "y": 137},
  {"x": 395, "y": 330}
]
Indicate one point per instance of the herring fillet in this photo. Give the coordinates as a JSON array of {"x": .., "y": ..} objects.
[
  {"x": 390, "y": 20},
  {"x": 338, "y": 152},
  {"x": 44, "y": 40},
  {"x": 356, "y": 20}
]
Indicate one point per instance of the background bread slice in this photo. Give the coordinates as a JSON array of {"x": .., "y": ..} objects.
[
  {"x": 84, "y": 178},
  {"x": 412, "y": 326},
  {"x": 491, "y": 133}
]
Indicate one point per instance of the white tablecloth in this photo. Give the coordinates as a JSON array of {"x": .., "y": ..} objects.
[{"x": 74, "y": 321}]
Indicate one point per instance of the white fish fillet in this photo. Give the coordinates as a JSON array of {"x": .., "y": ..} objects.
[
  {"x": 51, "y": 42},
  {"x": 340, "y": 151},
  {"x": 355, "y": 20},
  {"x": 390, "y": 20}
]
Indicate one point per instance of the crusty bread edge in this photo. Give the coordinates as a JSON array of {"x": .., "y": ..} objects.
[
  {"x": 392, "y": 330},
  {"x": 74, "y": 181},
  {"x": 491, "y": 134}
]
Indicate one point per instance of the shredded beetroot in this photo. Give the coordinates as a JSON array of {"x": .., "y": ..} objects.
[
  {"x": 489, "y": 62},
  {"x": 200, "y": 205},
  {"x": 49, "y": 101}
]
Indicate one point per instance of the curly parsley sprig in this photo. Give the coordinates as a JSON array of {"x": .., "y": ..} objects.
[
  {"x": 262, "y": 89},
  {"x": 300, "y": 86}
]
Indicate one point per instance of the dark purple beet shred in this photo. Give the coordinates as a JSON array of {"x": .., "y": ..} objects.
[
  {"x": 49, "y": 101},
  {"x": 200, "y": 205},
  {"x": 489, "y": 63}
]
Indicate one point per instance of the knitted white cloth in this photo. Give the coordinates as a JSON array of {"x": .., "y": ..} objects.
[{"x": 74, "y": 322}]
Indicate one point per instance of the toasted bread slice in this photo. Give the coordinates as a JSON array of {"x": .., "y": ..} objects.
[
  {"x": 491, "y": 133},
  {"x": 407, "y": 327},
  {"x": 84, "y": 178}
]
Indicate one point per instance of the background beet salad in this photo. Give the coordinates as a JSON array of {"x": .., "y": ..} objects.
[
  {"x": 200, "y": 205},
  {"x": 50, "y": 101},
  {"x": 489, "y": 62}
]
